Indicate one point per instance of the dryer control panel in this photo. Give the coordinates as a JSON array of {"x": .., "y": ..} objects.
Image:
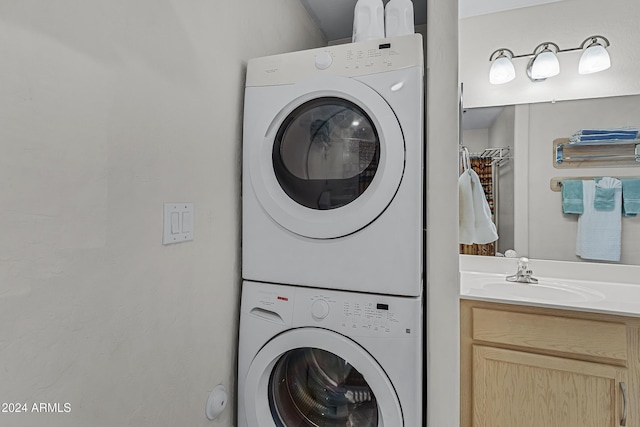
[{"x": 349, "y": 60}]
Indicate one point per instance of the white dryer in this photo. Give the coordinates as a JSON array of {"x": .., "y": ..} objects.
[
  {"x": 309, "y": 357},
  {"x": 333, "y": 167}
]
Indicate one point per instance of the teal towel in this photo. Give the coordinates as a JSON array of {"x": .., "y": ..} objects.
[
  {"x": 572, "y": 197},
  {"x": 604, "y": 199},
  {"x": 630, "y": 197}
]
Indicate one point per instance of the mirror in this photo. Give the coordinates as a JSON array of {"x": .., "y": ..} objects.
[
  {"x": 530, "y": 217},
  {"x": 528, "y": 116}
]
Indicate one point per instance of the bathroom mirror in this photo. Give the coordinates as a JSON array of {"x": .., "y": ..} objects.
[
  {"x": 530, "y": 217},
  {"x": 528, "y": 116}
]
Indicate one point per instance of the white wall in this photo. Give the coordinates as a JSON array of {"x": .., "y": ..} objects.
[
  {"x": 443, "y": 291},
  {"x": 476, "y": 140},
  {"x": 551, "y": 234},
  {"x": 566, "y": 23},
  {"x": 108, "y": 110}
]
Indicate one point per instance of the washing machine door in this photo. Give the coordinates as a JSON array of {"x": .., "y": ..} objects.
[
  {"x": 332, "y": 159},
  {"x": 312, "y": 377}
]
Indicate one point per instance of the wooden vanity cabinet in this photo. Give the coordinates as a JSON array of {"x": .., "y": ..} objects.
[{"x": 525, "y": 366}]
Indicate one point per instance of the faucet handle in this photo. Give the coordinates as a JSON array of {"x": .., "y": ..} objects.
[{"x": 523, "y": 262}]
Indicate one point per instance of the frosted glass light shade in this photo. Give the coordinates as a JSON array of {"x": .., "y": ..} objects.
[
  {"x": 595, "y": 58},
  {"x": 502, "y": 71},
  {"x": 545, "y": 65}
]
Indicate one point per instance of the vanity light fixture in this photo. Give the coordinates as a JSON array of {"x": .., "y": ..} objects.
[
  {"x": 595, "y": 57},
  {"x": 544, "y": 60},
  {"x": 502, "y": 70},
  {"x": 544, "y": 63}
]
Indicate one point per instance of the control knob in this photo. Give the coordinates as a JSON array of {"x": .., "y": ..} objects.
[
  {"x": 323, "y": 60},
  {"x": 319, "y": 309}
]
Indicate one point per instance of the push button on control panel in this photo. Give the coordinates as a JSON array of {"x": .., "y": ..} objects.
[{"x": 319, "y": 309}]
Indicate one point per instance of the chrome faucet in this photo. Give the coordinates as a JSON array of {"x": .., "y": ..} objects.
[{"x": 524, "y": 274}]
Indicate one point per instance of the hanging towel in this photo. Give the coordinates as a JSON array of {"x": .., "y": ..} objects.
[
  {"x": 572, "y": 196},
  {"x": 630, "y": 197},
  {"x": 466, "y": 218},
  {"x": 605, "y": 193},
  {"x": 475, "y": 225},
  {"x": 599, "y": 232}
]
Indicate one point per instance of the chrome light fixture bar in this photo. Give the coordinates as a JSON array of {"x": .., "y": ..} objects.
[{"x": 544, "y": 61}]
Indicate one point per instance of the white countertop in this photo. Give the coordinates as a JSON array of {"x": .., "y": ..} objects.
[{"x": 592, "y": 287}]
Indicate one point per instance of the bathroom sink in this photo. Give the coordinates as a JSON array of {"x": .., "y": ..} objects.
[{"x": 545, "y": 291}]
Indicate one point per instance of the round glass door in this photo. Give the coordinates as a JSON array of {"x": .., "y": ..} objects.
[
  {"x": 330, "y": 161},
  {"x": 311, "y": 377},
  {"x": 310, "y": 387},
  {"x": 326, "y": 153}
]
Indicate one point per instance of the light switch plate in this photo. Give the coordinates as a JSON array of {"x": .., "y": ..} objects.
[{"x": 178, "y": 223}]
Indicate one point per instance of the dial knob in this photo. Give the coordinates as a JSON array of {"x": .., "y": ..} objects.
[
  {"x": 319, "y": 309},
  {"x": 323, "y": 60}
]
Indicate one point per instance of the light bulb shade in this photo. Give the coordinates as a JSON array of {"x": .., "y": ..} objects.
[
  {"x": 544, "y": 65},
  {"x": 502, "y": 71},
  {"x": 594, "y": 58}
]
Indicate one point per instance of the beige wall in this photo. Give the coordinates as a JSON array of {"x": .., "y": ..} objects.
[
  {"x": 108, "y": 110},
  {"x": 566, "y": 23},
  {"x": 551, "y": 234}
]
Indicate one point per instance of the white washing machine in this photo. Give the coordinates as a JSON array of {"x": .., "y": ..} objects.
[
  {"x": 309, "y": 357},
  {"x": 333, "y": 167}
]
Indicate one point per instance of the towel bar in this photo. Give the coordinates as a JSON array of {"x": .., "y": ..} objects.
[
  {"x": 555, "y": 183},
  {"x": 601, "y": 154}
]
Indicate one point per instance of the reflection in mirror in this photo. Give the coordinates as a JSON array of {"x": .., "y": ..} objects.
[
  {"x": 530, "y": 216},
  {"x": 488, "y": 135}
]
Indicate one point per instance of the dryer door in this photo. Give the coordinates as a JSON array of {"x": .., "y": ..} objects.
[
  {"x": 313, "y": 377},
  {"x": 331, "y": 161}
]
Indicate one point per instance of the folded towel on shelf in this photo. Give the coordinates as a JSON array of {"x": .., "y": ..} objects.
[
  {"x": 604, "y": 199},
  {"x": 602, "y": 137},
  {"x": 625, "y": 129},
  {"x": 599, "y": 232},
  {"x": 630, "y": 197},
  {"x": 572, "y": 196},
  {"x": 475, "y": 225},
  {"x": 598, "y": 135}
]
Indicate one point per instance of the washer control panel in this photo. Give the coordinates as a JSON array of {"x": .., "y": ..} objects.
[
  {"x": 355, "y": 314},
  {"x": 349, "y": 313}
]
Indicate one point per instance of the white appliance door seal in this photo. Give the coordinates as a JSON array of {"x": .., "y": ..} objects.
[
  {"x": 344, "y": 220},
  {"x": 256, "y": 400}
]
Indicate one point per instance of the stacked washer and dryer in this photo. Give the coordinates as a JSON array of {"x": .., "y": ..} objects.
[{"x": 331, "y": 324}]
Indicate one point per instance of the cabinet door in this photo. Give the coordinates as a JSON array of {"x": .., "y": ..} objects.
[{"x": 518, "y": 389}]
